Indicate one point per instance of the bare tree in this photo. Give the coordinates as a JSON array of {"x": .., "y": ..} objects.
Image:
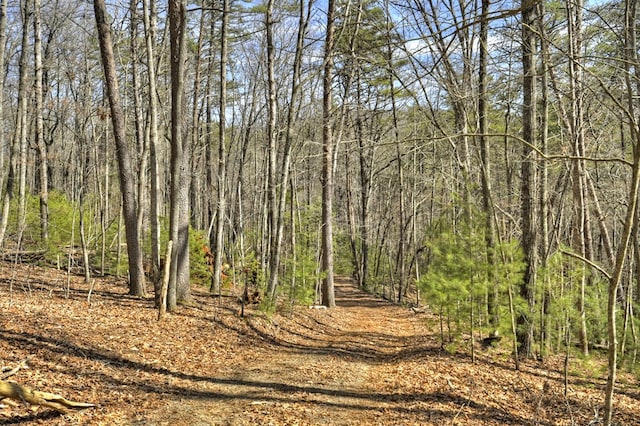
[
  {"x": 5, "y": 188},
  {"x": 276, "y": 248},
  {"x": 20, "y": 135},
  {"x": 222, "y": 151},
  {"x": 527, "y": 189},
  {"x": 149, "y": 16},
  {"x": 43, "y": 169},
  {"x": 328, "y": 295},
  {"x": 485, "y": 159},
  {"x": 632, "y": 80},
  {"x": 180, "y": 150},
  {"x": 125, "y": 170}
]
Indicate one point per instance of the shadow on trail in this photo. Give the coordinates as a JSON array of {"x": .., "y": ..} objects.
[
  {"x": 348, "y": 296},
  {"x": 36, "y": 417},
  {"x": 243, "y": 389},
  {"x": 318, "y": 332},
  {"x": 52, "y": 350},
  {"x": 384, "y": 350}
]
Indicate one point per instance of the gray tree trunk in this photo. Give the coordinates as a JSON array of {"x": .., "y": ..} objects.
[
  {"x": 631, "y": 61},
  {"x": 527, "y": 193},
  {"x": 6, "y": 188},
  {"x": 43, "y": 167},
  {"x": 20, "y": 135},
  {"x": 125, "y": 171},
  {"x": 178, "y": 227},
  {"x": 328, "y": 294},
  {"x": 222, "y": 153},
  {"x": 149, "y": 14}
]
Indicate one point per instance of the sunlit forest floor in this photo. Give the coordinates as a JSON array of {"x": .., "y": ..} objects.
[{"x": 365, "y": 362}]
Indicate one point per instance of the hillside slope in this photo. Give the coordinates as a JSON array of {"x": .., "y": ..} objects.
[{"x": 365, "y": 362}]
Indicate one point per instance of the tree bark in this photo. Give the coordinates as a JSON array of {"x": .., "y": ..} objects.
[
  {"x": 178, "y": 227},
  {"x": 272, "y": 153},
  {"x": 485, "y": 166},
  {"x": 221, "y": 212},
  {"x": 43, "y": 165},
  {"x": 631, "y": 61},
  {"x": 328, "y": 295},
  {"x": 529, "y": 131},
  {"x": 125, "y": 171},
  {"x": 582, "y": 225},
  {"x": 150, "y": 34},
  {"x": 20, "y": 134},
  {"x": 286, "y": 160}
]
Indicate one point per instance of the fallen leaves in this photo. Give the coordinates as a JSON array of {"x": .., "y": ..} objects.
[{"x": 365, "y": 362}]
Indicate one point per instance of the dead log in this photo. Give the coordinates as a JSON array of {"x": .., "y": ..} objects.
[{"x": 23, "y": 393}]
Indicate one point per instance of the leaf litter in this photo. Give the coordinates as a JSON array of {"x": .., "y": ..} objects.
[{"x": 365, "y": 362}]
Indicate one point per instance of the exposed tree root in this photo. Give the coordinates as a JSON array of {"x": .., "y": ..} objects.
[
  {"x": 45, "y": 399},
  {"x": 25, "y": 394}
]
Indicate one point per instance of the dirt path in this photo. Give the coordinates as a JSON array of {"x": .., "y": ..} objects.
[
  {"x": 323, "y": 370},
  {"x": 366, "y": 362}
]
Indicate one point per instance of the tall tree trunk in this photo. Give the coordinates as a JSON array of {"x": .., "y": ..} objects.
[
  {"x": 125, "y": 171},
  {"x": 527, "y": 194},
  {"x": 276, "y": 247},
  {"x": 543, "y": 202},
  {"x": 328, "y": 295},
  {"x": 149, "y": 13},
  {"x": 178, "y": 227},
  {"x": 197, "y": 102},
  {"x": 4, "y": 190},
  {"x": 272, "y": 153},
  {"x": 141, "y": 142},
  {"x": 402, "y": 227},
  {"x": 222, "y": 150},
  {"x": 582, "y": 226},
  {"x": 20, "y": 134},
  {"x": 631, "y": 64},
  {"x": 485, "y": 158},
  {"x": 43, "y": 165}
]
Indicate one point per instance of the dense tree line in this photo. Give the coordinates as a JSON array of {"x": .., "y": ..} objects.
[{"x": 480, "y": 157}]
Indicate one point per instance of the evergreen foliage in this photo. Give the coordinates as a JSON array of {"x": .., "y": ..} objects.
[{"x": 456, "y": 284}]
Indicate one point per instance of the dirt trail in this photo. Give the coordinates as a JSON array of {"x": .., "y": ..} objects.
[
  {"x": 321, "y": 368},
  {"x": 366, "y": 362}
]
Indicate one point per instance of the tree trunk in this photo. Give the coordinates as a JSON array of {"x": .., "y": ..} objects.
[
  {"x": 43, "y": 165},
  {"x": 631, "y": 61},
  {"x": 272, "y": 154},
  {"x": 141, "y": 142},
  {"x": 3, "y": 41},
  {"x": 485, "y": 166},
  {"x": 222, "y": 153},
  {"x": 582, "y": 226},
  {"x": 20, "y": 134},
  {"x": 276, "y": 247},
  {"x": 150, "y": 31},
  {"x": 328, "y": 295},
  {"x": 125, "y": 171},
  {"x": 543, "y": 195},
  {"x": 529, "y": 131},
  {"x": 178, "y": 227}
]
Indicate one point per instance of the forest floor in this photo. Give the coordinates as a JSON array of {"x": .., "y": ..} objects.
[{"x": 365, "y": 362}]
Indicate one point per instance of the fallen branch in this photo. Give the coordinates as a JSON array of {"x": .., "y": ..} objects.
[
  {"x": 8, "y": 372},
  {"x": 44, "y": 399}
]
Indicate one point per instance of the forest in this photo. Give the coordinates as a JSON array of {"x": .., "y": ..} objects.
[{"x": 478, "y": 158}]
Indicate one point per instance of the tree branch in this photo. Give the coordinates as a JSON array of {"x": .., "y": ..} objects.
[{"x": 588, "y": 262}]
